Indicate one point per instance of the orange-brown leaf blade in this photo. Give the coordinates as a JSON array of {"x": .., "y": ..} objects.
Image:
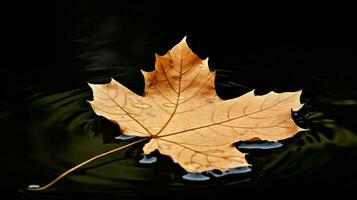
[{"x": 186, "y": 120}]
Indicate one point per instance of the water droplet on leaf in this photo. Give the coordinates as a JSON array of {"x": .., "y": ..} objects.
[
  {"x": 169, "y": 104},
  {"x": 193, "y": 165},
  {"x": 164, "y": 146},
  {"x": 213, "y": 151},
  {"x": 182, "y": 97},
  {"x": 143, "y": 105}
]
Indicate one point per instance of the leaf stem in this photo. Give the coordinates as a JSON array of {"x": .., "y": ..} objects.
[{"x": 84, "y": 163}]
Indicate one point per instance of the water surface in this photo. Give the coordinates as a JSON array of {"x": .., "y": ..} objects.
[{"x": 48, "y": 126}]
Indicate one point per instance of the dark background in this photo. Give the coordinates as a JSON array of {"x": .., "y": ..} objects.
[
  {"x": 47, "y": 41},
  {"x": 58, "y": 46}
]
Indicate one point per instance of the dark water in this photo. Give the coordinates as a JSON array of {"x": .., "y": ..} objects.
[{"x": 47, "y": 126}]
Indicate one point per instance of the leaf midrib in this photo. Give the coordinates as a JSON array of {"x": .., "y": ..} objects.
[{"x": 177, "y": 100}]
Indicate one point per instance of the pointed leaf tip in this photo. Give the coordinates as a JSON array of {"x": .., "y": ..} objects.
[{"x": 183, "y": 42}]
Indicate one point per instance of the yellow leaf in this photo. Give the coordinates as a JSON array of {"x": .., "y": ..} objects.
[{"x": 184, "y": 118}]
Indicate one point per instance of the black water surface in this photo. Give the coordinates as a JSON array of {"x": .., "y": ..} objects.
[{"x": 47, "y": 126}]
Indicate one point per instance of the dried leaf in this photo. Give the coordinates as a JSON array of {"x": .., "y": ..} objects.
[{"x": 184, "y": 118}]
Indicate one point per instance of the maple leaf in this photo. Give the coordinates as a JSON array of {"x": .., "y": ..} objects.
[{"x": 184, "y": 118}]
